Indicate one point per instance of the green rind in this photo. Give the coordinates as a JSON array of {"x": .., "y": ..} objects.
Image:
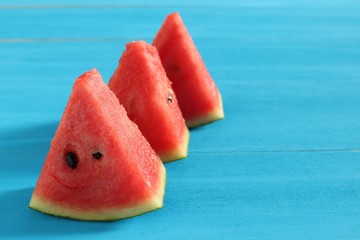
[
  {"x": 179, "y": 153},
  {"x": 210, "y": 117},
  {"x": 42, "y": 205}
]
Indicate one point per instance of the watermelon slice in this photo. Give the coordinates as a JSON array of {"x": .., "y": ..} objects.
[
  {"x": 199, "y": 98},
  {"x": 141, "y": 85},
  {"x": 99, "y": 166}
]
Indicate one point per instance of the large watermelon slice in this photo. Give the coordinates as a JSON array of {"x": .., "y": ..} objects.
[
  {"x": 141, "y": 85},
  {"x": 199, "y": 98},
  {"x": 99, "y": 166}
]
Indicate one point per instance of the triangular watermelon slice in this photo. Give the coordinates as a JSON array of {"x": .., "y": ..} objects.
[
  {"x": 198, "y": 96},
  {"x": 141, "y": 84},
  {"x": 99, "y": 166}
]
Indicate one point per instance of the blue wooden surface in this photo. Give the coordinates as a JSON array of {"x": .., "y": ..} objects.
[{"x": 283, "y": 164}]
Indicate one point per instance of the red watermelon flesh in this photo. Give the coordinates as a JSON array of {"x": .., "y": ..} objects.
[
  {"x": 198, "y": 96},
  {"x": 141, "y": 84},
  {"x": 112, "y": 173}
]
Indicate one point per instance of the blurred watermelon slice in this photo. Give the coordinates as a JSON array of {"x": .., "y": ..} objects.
[
  {"x": 141, "y": 84},
  {"x": 198, "y": 96}
]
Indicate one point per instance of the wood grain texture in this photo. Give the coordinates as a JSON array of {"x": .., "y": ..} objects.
[{"x": 283, "y": 164}]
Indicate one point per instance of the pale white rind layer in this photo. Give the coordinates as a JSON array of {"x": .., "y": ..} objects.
[
  {"x": 179, "y": 153},
  {"x": 212, "y": 116},
  {"x": 155, "y": 202}
]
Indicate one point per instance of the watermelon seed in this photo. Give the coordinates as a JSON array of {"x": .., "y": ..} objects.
[
  {"x": 170, "y": 93},
  {"x": 169, "y": 99},
  {"x": 97, "y": 155},
  {"x": 71, "y": 160}
]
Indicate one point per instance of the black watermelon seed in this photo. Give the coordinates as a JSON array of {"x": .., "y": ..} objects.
[
  {"x": 97, "y": 155},
  {"x": 169, "y": 99},
  {"x": 71, "y": 160}
]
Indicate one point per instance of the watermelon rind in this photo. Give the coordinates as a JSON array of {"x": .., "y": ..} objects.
[
  {"x": 180, "y": 153},
  {"x": 215, "y": 115},
  {"x": 155, "y": 202}
]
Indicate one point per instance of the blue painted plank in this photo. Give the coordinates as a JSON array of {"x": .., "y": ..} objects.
[
  {"x": 213, "y": 196},
  {"x": 205, "y": 22},
  {"x": 302, "y": 99},
  {"x": 144, "y": 3}
]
